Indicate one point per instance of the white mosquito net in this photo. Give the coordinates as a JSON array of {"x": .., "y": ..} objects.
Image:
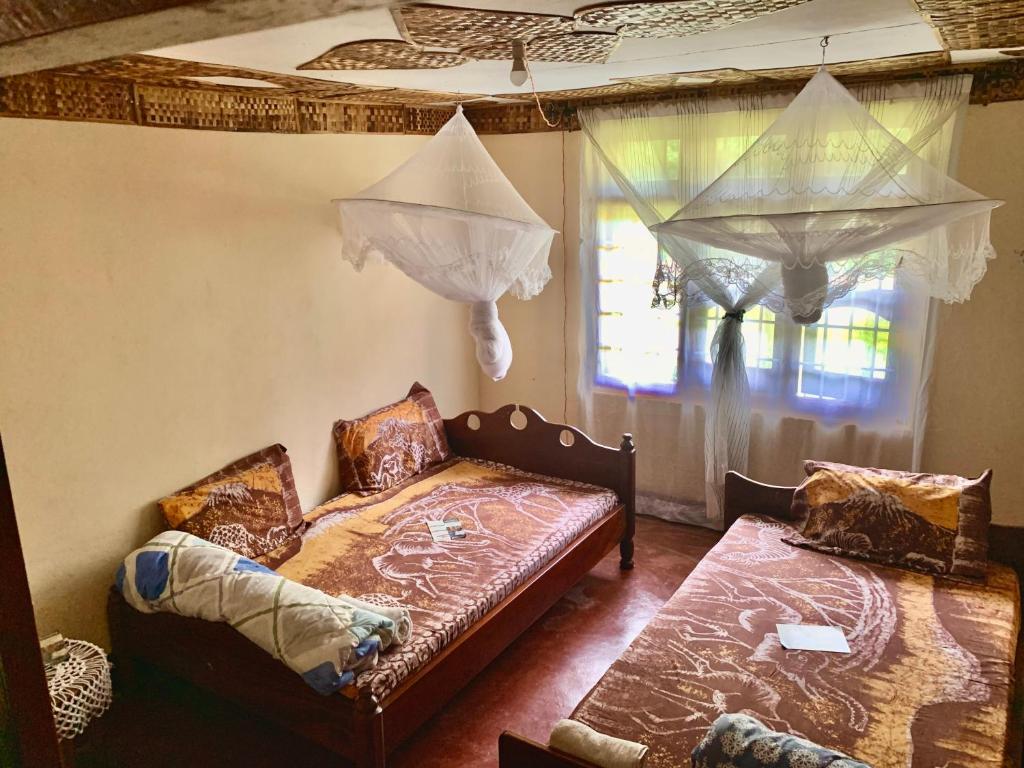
[
  {"x": 824, "y": 199},
  {"x": 450, "y": 219}
]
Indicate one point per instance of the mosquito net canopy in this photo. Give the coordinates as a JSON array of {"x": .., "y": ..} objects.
[
  {"x": 825, "y": 198},
  {"x": 450, "y": 219}
]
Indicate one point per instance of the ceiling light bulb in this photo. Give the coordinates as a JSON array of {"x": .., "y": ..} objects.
[{"x": 518, "y": 75}]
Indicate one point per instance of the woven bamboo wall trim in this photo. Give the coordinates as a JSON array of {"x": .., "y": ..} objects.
[
  {"x": 427, "y": 121},
  {"x": 64, "y": 97},
  {"x": 187, "y": 108},
  {"x": 382, "y": 54},
  {"x": 969, "y": 24},
  {"x": 78, "y": 98},
  {"x": 332, "y": 117},
  {"x": 67, "y": 98},
  {"x": 519, "y": 118},
  {"x": 575, "y": 47},
  {"x": 677, "y": 18},
  {"x": 438, "y": 26}
]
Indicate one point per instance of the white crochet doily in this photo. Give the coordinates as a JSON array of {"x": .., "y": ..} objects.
[{"x": 79, "y": 688}]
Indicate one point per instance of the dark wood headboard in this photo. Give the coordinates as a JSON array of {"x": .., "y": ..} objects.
[
  {"x": 520, "y": 437},
  {"x": 745, "y": 496}
]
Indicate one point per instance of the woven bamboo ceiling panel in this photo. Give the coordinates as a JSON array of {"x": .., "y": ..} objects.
[
  {"x": 161, "y": 91},
  {"x": 488, "y": 34},
  {"x": 970, "y": 24},
  {"x": 383, "y": 54},
  {"x": 677, "y": 18},
  {"x": 442, "y": 27},
  {"x": 468, "y": 33},
  {"x": 578, "y": 47}
]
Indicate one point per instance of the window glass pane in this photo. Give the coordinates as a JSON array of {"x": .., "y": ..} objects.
[
  {"x": 845, "y": 355},
  {"x": 638, "y": 346}
]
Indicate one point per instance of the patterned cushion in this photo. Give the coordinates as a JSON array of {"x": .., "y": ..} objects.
[
  {"x": 741, "y": 741},
  {"x": 249, "y": 506},
  {"x": 932, "y": 523},
  {"x": 391, "y": 444}
]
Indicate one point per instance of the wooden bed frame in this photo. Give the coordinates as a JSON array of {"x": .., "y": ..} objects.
[
  {"x": 744, "y": 496},
  {"x": 358, "y": 726}
]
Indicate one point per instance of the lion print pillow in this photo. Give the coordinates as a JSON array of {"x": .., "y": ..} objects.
[
  {"x": 390, "y": 445},
  {"x": 932, "y": 523}
]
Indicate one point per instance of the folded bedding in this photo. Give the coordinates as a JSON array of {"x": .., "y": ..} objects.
[
  {"x": 927, "y": 683},
  {"x": 379, "y": 549},
  {"x": 325, "y": 639}
]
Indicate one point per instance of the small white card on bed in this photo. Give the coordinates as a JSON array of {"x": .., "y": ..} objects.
[{"x": 812, "y": 637}]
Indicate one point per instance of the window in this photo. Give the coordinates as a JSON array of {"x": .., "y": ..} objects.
[
  {"x": 842, "y": 365},
  {"x": 638, "y": 346}
]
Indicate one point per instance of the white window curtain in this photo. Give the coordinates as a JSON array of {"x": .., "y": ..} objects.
[{"x": 851, "y": 387}]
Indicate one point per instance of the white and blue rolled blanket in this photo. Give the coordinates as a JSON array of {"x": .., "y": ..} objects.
[{"x": 327, "y": 640}]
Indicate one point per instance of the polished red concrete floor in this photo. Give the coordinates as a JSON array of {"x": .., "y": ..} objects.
[{"x": 535, "y": 682}]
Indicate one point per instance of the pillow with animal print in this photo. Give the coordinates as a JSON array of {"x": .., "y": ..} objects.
[
  {"x": 277, "y": 456},
  {"x": 250, "y": 506},
  {"x": 741, "y": 741},
  {"x": 932, "y": 523},
  {"x": 391, "y": 444}
]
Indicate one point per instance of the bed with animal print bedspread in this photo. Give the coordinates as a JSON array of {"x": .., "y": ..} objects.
[{"x": 540, "y": 504}]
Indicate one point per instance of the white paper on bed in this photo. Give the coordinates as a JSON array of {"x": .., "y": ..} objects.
[
  {"x": 812, "y": 637},
  {"x": 326, "y": 640}
]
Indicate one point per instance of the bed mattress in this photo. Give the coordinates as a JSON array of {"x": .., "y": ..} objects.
[
  {"x": 378, "y": 548},
  {"x": 928, "y": 681}
]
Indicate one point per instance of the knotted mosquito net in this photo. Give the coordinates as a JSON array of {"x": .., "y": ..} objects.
[
  {"x": 826, "y": 198},
  {"x": 450, "y": 219}
]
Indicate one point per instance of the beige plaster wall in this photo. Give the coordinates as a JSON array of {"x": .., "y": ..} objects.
[
  {"x": 977, "y": 397},
  {"x": 172, "y": 300}
]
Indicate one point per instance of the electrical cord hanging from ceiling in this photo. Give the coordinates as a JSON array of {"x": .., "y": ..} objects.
[
  {"x": 565, "y": 301},
  {"x": 533, "y": 87}
]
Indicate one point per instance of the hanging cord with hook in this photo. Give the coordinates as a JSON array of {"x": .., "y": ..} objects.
[
  {"x": 824, "y": 46},
  {"x": 533, "y": 87}
]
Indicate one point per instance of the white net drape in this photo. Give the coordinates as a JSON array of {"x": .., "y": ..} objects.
[
  {"x": 662, "y": 156},
  {"x": 825, "y": 199},
  {"x": 450, "y": 219}
]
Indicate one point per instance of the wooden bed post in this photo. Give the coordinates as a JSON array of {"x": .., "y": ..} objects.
[
  {"x": 628, "y": 498},
  {"x": 368, "y": 733}
]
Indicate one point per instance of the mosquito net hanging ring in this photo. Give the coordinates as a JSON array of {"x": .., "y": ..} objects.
[{"x": 450, "y": 219}]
